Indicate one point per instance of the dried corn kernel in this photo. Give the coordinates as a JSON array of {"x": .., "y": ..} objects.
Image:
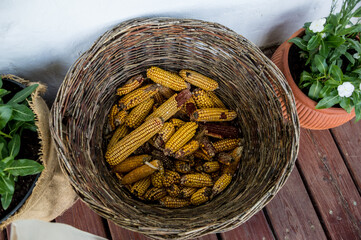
[
  {"x": 226, "y": 144},
  {"x": 138, "y": 96},
  {"x": 119, "y": 133},
  {"x": 201, "y": 155},
  {"x": 157, "y": 179},
  {"x": 131, "y": 163},
  {"x": 217, "y": 103},
  {"x": 210, "y": 167},
  {"x": 198, "y": 80},
  {"x": 187, "y": 149},
  {"x": 201, "y": 98},
  {"x": 141, "y": 172},
  {"x": 139, "y": 113},
  {"x": 164, "y": 134},
  {"x": 201, "y": 196},
  {"x": 180, "y": 138},
  {"x": 182, "y": 167},
  {"x": 165, "y": 78},
  {"x": 173, "y": 190},
  {"x": 130, "y": 85},
  {"x": 223, "y": 181},
  {"x": 127, "y": 145},
  {"x": 172, "y": 202},
  {"x": 177, "y": 122},
  {"x": 197, "y": 180},
  {"x": 171, "y": 177},
  {"x": 111, "y": 116},
  {"x": 140, "y": 187},
  {"x": 187, "y": 192},
  {"x": 213, "y": 115},
  {"x": 154, "y": 194}
]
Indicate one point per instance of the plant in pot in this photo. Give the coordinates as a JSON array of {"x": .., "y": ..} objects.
[
  {"x": 322, "y": 65},
  {"x": 18, "y": 143}
]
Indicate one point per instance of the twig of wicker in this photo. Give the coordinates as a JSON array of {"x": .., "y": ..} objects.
[{"x": 249, "y": 83}]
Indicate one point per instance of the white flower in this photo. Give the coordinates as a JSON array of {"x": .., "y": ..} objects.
[
  {"x": 323, "y": 35},
  {"x": 346, "y": 89},
  {"x": 318, "y": 25},
  {"x": 356, "y": 56}
]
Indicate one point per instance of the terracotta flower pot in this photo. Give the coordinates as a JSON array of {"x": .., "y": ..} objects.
[{"x": 309, "y": 116}]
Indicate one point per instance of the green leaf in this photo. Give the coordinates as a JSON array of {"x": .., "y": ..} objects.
[
  {"x": 358, "y": 112},
  {"x": 324, "y": 50},
  {"x": 337, "y": 53},
  {"x": 334, "y": 41},
  {"x": 5, "y": 115},
  {"x": 355, "y": 45},
  {"x": 328, "y": 28},
  {"x": 302, "y": 44},
  {"x": 14, "y": 126},
  {"x": 14, "y": 145},
  {"x": 7, "y": 184},
  {"x": 305, "y": 77},
  {"x": 336, "y": 72},
  {"x": 31, "y": 126},
  {"x": 353, "y": 29},
  {"x": 22, "y": 113},
  {"x": 3, "y": 92},
  {"x": 6, "y": 199},
  {"x": 315, "y": 90},
  {"x": 350, "y": 58},
  {"x": 325, "y": 91},
  {"x": 23, "y": 94},
  {"x": 357, "y": 13},
  {"x": 314, "y": 42},
  {"x": 320, "y": 63},
  {"x": 332, "y": 83},
  {"x": 328, "y": 102},
  {"x": 346, "y": 104},
  {"x": 358, "y": 71},
  {"x": 24, "y": 167},
  {"x": 4, "y": 151},
  {"x": 1, "y": 82}
]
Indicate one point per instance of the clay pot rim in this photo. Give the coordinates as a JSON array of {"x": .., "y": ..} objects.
[{"x": 296, "y": 90}]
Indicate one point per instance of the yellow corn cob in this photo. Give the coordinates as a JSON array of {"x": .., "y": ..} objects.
[
  {"x": 171, "y": 106},
  {"x": 173, "y": 190},
  {"x": 201, "y": 155},
  {"x": 139, "y": 113},
  {"x": 165, "y": 78},
  {"x": 141, "y": 172},
  {"x": 226, "y": 144},
  {"x": 182, "y": 167},
  {"x": 180, "y": 137},
  {"x": 157, "y": 179},
  {"x": 201, "y": 196},
  {"x": 177, "y": 122},
  {"x": 223, "y": 181},
  {"x": 217, "y": 103},
  {"x": 198, "y": 80},
  {"x": 119, "y": 119},
  {"x": 131, "y": 163},
  {"x": 140, "y": 187},
  {"x": 171, "y": 177},
  {"x": 187, "y": 149},
  {"x": 111, "y": 116},
  {"x": 197, "y": 180},
  {"x": 127, "y": 145},
  {"x": 186, "y": 192},
  {"x": 236, "y": 155},
  {"x": 139, "y": 95},
  {"x": 130, "y": 85},
  {"x": 201, "y": 98},
  {"x": 213, "y": 115},
  {"x": 210, "y": 167},
  {"x": 154, "y": 194},
  {"x": 158, "y": 98},
  {"x": 172, "y": 202},
  {"x": 164, "y": 134},
  {"x": 224, "y": 158},
  {"x": 119, "y": 133}
]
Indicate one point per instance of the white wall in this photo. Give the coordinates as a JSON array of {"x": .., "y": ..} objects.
[{"x": 40, "y": 39}]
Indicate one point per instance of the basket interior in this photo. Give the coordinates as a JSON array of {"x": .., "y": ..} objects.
[{"x": 248, "y": 83}]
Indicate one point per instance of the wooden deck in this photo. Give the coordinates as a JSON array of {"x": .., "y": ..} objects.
[{"x": 321, "y": 199}]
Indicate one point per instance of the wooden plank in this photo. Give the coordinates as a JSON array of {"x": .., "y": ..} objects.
[
  {"x": 348, "y": 139},
  {"x": 330, "y": 184},
  {"x": 292, "y": 214},
  {"x": 255, "y": 228},
  {"x": 83, "y": 218},
  {"x": 3, "y": 235}
]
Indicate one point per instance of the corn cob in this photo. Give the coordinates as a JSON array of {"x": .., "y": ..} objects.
[
  {"x": 236, "y": 155},
  {"x": 215, "y": 175},
  {"x": 173, "y": 190},
  {"x": 132, "y": 99},
  {"x": 223, "y": 181},
  {"x": 171, "y": 177},
  {"x": 167, "y": 79},
  {"x": 226, "y": 144},
  {"x": 210, "y": 167},
  {"x": 130, "y": 85},
  {"x": 177, "y": 122},
  {"x": 119, "y": 119},
  {"x": 219, "y": 131},
  {"x": 201, "y": 155},
  {"x": 141, "y": 172},
  {"x": 158, "y": 98},
  {"x": 198, "y": 80},
  {"x": 166, "y": 91},
  {"x": 111, "y": 116},
  {"x": 207, "y": 147},
  {"x": 164, "y": 134},
  {"x": 180, "y": 137},
  {"x": 171, "y": 202},
  {"x": 201, "y": 98},
  {"x": 140, "y": 187},
  {"x": 197, "y": 180},
  {"x": 187, "y": 149},
  {"x": 201, "y": 196},
  {"x": 217, "y": 103},
  {"x": 119, "y": 133},
  {"x": 154, "y": 194},
  {"x": 166, "y": 162},
  {"x": 157, "y": 179},
  {"x": 186, "y": 192},
  {"x": 224, "y": 158},
  {"x": 171, "y": 106},
  {"x": 123, "y": 148},
  {"x": 139, "y": 113},
  {"x": 213, "y": 115},
  {"x": 131, "y": 163},
  {"x": 182, "y": 167}
]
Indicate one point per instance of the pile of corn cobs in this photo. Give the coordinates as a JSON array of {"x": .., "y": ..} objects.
[{"x": 172, "y": 140}]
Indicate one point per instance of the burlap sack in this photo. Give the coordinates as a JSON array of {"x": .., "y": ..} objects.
[{"x": 52, "y": 194}]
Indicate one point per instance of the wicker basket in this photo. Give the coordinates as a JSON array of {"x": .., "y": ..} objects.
[{"x": 249, "y": 83}]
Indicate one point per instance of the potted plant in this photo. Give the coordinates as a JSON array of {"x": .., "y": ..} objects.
[
  {"x": 322, "y": 65},
  {"x": 19, "y": 146}
]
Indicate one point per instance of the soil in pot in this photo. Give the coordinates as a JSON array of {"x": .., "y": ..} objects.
[{"x": 29, "y": 149}]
